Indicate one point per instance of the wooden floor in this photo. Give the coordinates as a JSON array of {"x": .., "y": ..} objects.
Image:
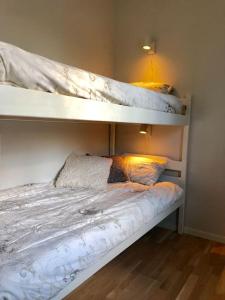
[{"x": 161, "y": 266}]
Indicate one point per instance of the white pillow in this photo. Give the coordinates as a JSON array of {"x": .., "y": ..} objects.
[
  {"x": 85, "y": 171},
  {"x": 145, "y": 169}
]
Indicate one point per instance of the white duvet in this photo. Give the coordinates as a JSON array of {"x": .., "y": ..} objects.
[
  {"x": 48, "y": 235},
  {"x": 27, "y": 70}
]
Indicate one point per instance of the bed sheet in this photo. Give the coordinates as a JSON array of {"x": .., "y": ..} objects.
[{"x": 49, "y": 235}]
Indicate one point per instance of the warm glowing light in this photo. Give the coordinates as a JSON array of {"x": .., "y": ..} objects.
[
  {"x": 142, "y": 132},
  {"x": 146, "y": 47},
  {"x": 135, "y": 159}
]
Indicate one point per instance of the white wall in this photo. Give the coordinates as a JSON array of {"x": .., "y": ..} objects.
[
  {"x": 35, "y": 151},
  {"x": 76, "y": 32},
  {"x": 163, "y": 140},
  {"x": 190, "y": 55}
]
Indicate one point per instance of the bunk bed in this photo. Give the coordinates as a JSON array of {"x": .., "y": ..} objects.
[{"x": 17, "y": 103}]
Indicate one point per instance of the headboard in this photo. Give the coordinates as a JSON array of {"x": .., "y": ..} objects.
[
  {"x": 177, "y": 170},
  {"x": 174, "y": 172}
]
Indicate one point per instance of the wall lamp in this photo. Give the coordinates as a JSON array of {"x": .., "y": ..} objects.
[
  {"x": 145, "y": 128},
  {"x": 149, "y": 46}
]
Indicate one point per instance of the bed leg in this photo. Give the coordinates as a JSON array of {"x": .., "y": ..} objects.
[{"x": 180, "y": 228}]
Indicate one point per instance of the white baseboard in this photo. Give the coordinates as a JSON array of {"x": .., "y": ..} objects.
[{"x": 205, "y": 235}]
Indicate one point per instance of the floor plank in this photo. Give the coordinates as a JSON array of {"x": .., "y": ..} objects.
[{"x": 162, "y": 265}]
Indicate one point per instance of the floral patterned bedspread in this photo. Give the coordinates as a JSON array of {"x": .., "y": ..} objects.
[
  {"x": 49, "y": 235},
  {"x": 23, "y": 69}
]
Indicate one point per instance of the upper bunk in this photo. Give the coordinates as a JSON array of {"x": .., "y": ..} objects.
[
  {"x": 34, "y": 87},
  {"x": 20, "y": 103}
]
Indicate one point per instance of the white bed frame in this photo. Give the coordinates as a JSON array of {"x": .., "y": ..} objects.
[
  {"x": 19, "y": 103},
  {"x": 179, "y": 166}
]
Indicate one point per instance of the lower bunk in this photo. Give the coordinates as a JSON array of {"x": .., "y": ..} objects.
[{"x": 53, "y": 239}]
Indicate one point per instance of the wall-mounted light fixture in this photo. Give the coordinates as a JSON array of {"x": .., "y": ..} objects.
[
  {"x": 145, "y": 128},
  {"x": 149, "y": 46}
]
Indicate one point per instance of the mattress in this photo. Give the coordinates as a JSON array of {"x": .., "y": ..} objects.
[
  {"x": 23, "y": 69},
  {"x": 49, "y": 235}
]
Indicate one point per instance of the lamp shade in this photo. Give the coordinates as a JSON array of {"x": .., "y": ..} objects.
[
  {"x": 148, "y": 46},
  {"x": 143, "y": 128}
]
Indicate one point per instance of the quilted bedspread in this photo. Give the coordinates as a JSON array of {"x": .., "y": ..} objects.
[{"x": 49, "y": 235}]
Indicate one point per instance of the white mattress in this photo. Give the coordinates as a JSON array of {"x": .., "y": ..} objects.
[
  {"x": 48, "y": 235},
  {"x": 27, "y": 70}
]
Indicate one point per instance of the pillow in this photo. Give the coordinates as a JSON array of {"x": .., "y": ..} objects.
[
  {"x": 145, "y": 170},
  {"x": 156, "y": 87},
  {"x": 117, "y": 171},
  {"x": 85, "y": 171}
]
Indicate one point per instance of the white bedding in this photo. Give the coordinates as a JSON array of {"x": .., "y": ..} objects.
[
  {"x": 48, "y": 235},
  {"x": 27, "y": 70}
]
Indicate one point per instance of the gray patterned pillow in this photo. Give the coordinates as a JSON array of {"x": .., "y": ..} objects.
[{"x": 145, "y": 170}]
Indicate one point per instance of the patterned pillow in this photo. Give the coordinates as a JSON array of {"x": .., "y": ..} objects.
[
  {"x": 117, "y": 171},
  {"x": 155, "y": 86},
  {"x": 85, "y": 171},
  {"x": 145, "y": 170}
]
